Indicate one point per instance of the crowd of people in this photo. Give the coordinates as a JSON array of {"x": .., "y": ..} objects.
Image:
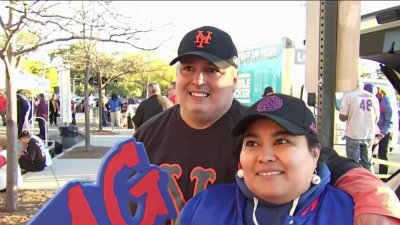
[{"x": 371, "y": 117}]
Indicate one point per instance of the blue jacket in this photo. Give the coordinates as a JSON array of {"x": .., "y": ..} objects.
[
  {"x": 233, "y": 204},
  {"x": 388, "y": 115},
  {"x": 115, "y": 104}
]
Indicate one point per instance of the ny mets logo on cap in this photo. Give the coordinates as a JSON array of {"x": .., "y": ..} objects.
[
  {"x": 270, "y": 104},
  {"x": 201, "y": 39}
]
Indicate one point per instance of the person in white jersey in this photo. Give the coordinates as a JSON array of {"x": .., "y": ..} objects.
[{"x": 360, "y": 109}]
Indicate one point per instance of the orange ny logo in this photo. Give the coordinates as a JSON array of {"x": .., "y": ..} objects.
[{"x": 200, "y": 39}]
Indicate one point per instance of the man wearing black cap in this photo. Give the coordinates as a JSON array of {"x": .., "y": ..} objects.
[{"x": 192, "y": 140}]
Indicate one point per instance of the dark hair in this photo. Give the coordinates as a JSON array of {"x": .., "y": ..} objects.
[
  {"x": 114, "y": 96},
  {"x": 267, "y": 91},
  {"x": 24, "y": 134},
  {"x": 312, "y": 141}
]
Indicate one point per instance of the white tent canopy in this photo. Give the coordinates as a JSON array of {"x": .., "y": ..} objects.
[
  {"x": 24, "y": 80},
  {"x": 27, "y": 81}
]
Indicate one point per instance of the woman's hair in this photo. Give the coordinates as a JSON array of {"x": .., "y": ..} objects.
[
  {"x": 3, "y": 142},
  {"x": 312, "y": 142},
  {"x": 381, "y": 92},
  {"x": 24, "y": 134}
]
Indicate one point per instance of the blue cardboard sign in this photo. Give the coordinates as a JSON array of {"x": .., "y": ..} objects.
[{"x": 125, "y": 176}]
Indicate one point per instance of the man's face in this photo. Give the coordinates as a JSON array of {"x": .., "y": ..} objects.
[{"x": 205, "y": 92}]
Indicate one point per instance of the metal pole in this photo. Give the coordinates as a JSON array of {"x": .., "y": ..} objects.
[
  {"x": 86, "y": 105},
  {"x": 327, "y": 70}
]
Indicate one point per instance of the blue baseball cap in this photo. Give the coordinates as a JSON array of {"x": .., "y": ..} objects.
[{"x": 371, "y": 88}]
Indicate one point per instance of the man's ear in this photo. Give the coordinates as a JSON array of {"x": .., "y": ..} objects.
[{"x": 235, "y": 79}]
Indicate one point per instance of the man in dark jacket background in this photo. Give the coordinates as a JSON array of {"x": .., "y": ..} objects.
[
  {"x": 153, "y": 105},
  {"x": 43, "y": 113},
  {"x": 23, "y": 107}
]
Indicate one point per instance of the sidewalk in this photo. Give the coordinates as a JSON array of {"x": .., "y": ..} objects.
[{"x": 64, "y": 170}]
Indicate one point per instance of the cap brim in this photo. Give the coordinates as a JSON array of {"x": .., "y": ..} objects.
[
  {"x": 220, "y": 63},
  {"x": 245, "y": 121}
]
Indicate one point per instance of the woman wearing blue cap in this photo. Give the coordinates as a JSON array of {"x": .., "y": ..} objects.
[{"x": 280, "y": 181}]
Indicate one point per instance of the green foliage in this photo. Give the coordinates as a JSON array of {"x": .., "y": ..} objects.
[
  {"x": 2, "y": 40},
  {"x": 154, "y": 71},
  {"x": 124, "y": 89},
  {"x": 75, "y": 55},
  {"x": 36, "y": 67},
  {"x": 25, "y": 39},
  {"x": 124, "y": 74},
  {"x": 79, "y": 89}
]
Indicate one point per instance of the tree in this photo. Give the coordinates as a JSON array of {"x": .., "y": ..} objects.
[
  {"x": 46, "y": 23},
  {"x": 105, "y": 68},
  {"x": 153, "y": 70}
]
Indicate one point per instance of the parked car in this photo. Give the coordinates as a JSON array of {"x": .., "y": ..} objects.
[{"x": 80, "y": 103}]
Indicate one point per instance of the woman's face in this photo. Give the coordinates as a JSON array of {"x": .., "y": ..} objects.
[{"x": 277, "y": 166}]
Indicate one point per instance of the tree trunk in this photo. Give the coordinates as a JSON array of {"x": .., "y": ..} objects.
[
  {"x": 11, "y": 133},
  {"x": 87, "y": 109},
  {"x": 10, "y": 62},
  {"x": 100, "y": 99}
]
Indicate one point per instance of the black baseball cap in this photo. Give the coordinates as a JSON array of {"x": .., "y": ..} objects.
[
  {"x": 210, "y": 43},
  {"x": 289, "y": 112}
]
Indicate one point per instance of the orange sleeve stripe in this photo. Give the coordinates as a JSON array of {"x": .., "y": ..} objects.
[{"x": 370, "y": 194}]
